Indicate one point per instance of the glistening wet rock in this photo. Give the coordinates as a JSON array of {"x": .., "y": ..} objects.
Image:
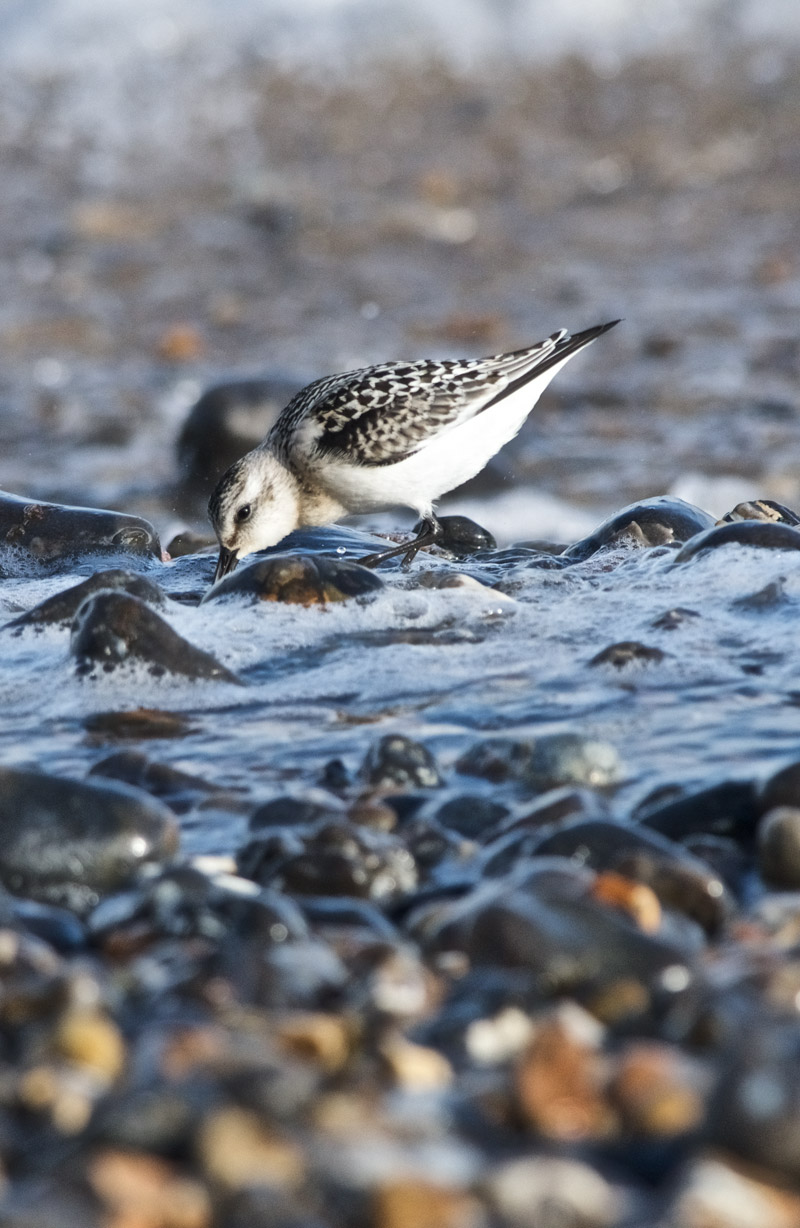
[
  {"x": 62, "y": 607},
  {"x": 546, "y": 762},
  {"x": 763, "y": 535},
  {"x": 762, "y": 509},
  {"x": 70, "y": 842},
  {"x": 114, "y": 629},
  {"x": 728, "y": 808},
  {"x": 779, "y": 847},
  {"x": 629, "y": 652},
  {"x": 653, "y": 522},
  {"x": 34, "y": 534},
  {"x": 178, "y": 789},
  {"x": 298, "y": 580},
  {"x": 461, "y": 536},
  {"x": 398, "y": 762}
]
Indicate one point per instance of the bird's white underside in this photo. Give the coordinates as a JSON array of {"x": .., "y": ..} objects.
[{"x": 444, "y": 462}]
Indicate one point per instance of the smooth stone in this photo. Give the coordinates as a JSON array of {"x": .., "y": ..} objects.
[
  {"x": 629, "y": 652},
  {"x": 762, "y": 509},
  {"x": 461, "y": 536},
  {"x": 298, "y": 580},
  {"x": 398, "y": 762},
  {"x": 471, "y": 814},
  {"x": 755, "y": 1112},
  {"x": 114, "y": 629},
  {"x": 779, "y": 847},
  {"x": 782, "y": 788},
  {"x": 137, "y": 723},
  {"x": 543, "y": 763},
  {"x": 226, "y": 421},
  {"x": 763, "y": 535},
  {"x": 337, "y": 858},
  {"x": 294, "y": 812},
  {"x": 43, "y": 533},
  {"x": 68, "y": 841},
  {"x": 681, "y": 882},
  {"x": 535, "y": 1190},
  {"x": 547, "y": 923},
  {"x": 729, "y": 808},
  {"x": 184, "y": 901},
  {"x": 660, "y": 521},
  {"x": 670, "y": 620},
  {"x": 62, "y": 607},
  {"x": 178, "y": 789},
  {"x": 715, "y": 1192}
]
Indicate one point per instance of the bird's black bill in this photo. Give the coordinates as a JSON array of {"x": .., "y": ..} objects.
[{"x": 225, "y": 563}]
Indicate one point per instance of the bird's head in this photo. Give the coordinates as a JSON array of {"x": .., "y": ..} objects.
[{"x": 254, "y": 505}]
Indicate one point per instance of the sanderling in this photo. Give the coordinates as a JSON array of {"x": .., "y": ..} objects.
[{"x": 400, "y": 433}]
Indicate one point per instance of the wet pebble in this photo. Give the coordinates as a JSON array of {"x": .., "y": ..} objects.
[
  {"x": 727, "y": 808},
  {"x": 178, "y": 789},
  {"x": 763, "y": 535},
  {"x": 779, "y": 847},
  {"x": 62, "y": 607},
  {"x": 529, "y": 1191},
  {"x": 461, "y": 536},
  {"x": 399, "y": 763},
  {"x": 715, "y": 1190},
  {"x": 334, "y": 859},
  {"x": 70, "y": 842},
  {"x": 33, "y": 533},
  {"x": 114, "y": 629},
  {"x": 627, "y": 653},
  {"x": 298, "y": 580},
  {"x": 762, "y": 509},
  {"x": 471, "y": 814},
  {"x": 544, "y": 763},
  {"x": 653, "y": 522}
]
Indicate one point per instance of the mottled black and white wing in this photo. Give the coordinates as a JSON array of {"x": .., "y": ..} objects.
[{"x": 380, "y": 415}]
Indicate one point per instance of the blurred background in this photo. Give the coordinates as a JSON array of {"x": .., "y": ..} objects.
[{"x": 197, "y": 191}]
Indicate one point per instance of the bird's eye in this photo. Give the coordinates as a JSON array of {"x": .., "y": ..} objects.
[{"x": 243, "y": 513}]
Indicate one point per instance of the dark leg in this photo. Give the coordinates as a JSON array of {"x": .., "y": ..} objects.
[{"x": 428, "y": 534}]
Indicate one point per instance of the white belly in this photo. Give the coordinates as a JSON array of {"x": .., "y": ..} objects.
[{"x": 450, "y": 458}]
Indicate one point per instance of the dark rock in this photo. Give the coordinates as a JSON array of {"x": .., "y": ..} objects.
[
  {"x": 62, "y": 607},
  {"x": 34, "y": 534},
  {"x": 762, "y": 509},
  {"x": 547, "y": 922},
  {"x": 653, "y": 522},
  {"x": 471, "y": 814},
  {"x": 496, "y": 759},
  {"x": 69, "y": 842},
  {"x": 756, "y": 1110},
  {"x": 138, "y": 723},
  {"x": 183, "y": 902},
  {"x": 58, "y": 927},
  {"x": 670, "y": 620},
  {"x": 680, "y": 881},
  {"x": 228, "y": 420},
  {"x": 293, "y": 812},
  {"x": 113, "y": 629},
  {"x": 298, "y": 580},
  {"x": 397, "y": 762},
  {"x": 782, "y": 788},
  {"x": 763, "y": 535},
  {"x": 189, "y": 542},
  {"x": 555, "y": 806},
  {"x": 769, "y": 597},
  {"x": 724, "y": 856},
  {"x": 544, "y": 763},
  {"x": 178, "y": 789},
  {"x": 461, "y": 536},
  {"x": 729, "y": 808},
  {"x": 335, "y": 859},
  {"x": 779, "y": 847},
  {"x": 628, "y": 652}
]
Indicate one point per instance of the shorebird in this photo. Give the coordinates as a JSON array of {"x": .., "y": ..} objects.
[{"x": 400, "y": 433}]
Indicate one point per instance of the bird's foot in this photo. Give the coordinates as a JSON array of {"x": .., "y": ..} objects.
[{"x": 428, "y": 534}]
